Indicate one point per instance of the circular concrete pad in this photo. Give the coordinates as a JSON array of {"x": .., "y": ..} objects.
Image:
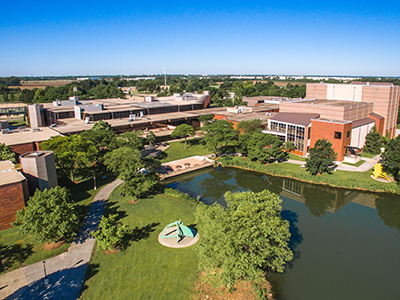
[{"x": 172, "y": 242}]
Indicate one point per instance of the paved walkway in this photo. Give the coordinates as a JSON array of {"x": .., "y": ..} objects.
[
  {"x": 368, "y": 165},
  {"x": 66, "y": 272}
]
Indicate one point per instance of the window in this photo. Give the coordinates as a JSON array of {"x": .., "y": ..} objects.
[
  {"x": 338, "y": 135},
  {"x": 348, "y": 134}
]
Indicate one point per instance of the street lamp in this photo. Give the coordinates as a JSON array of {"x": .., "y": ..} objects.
[{"x": 46, "y": 279}]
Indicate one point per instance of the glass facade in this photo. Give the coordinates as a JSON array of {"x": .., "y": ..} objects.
[{"x": 294, "y": 133}]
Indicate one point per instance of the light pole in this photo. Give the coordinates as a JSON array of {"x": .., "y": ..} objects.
[
  {"x": 94, "y": 180},
  {"x": 46, "y": 279}
]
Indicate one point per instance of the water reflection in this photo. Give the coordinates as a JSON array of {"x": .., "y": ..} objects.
[
  {"x": 212, "y": 185},
  {"x": 341, "y": 238}
]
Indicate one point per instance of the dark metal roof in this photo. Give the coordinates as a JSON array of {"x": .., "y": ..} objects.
[
  {"x": 295, "y": 118},
  {"x": 362, "y": 122}
]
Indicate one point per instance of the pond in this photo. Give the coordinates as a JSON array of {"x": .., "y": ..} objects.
[{"x": 346, "y": 242}]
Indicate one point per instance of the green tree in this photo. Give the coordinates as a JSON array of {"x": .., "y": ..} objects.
[
  {"x": 289, "y": 146},
  {"x": 391, "y": 158},
  {"x": 6, "y": 153},
  {"x": 321, "y": 157},
  {"x": 250, "y": 126},
  {"x": 130, "y": 139},
  {"x": 137, "y": 172},
  {"x": 373, "y": 142},
  {"x": 49, "y": 216},
  {"x": 102, "y": 135},
  {"x": 72, "y": 153},
  {"x": 218, "y": 134},
  {"x": 151, "y": 138},
  {"x": 244, "y": 240},
  {"x": 183, "y": 131},
  {"x": 110, "y": 233},
  {"x": 265, "y": 148}
]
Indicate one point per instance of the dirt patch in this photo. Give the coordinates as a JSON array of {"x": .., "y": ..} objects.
[
  {"x": 133, "y": 201},
  {"x": 52, "y": 245},
  {"x": 241, "y": 291},
  {"x": 112, "y": 251}
]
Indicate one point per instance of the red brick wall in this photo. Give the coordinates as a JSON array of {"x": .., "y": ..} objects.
[
  {"x": 23, "y": 148},
  {"x": 326, "y": 130},
  {"x": 379, "y": 124},
  {"x": 13, "y": 197}
]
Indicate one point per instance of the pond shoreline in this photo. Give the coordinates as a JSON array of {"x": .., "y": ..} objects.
[{"x": 224, "y": 164}]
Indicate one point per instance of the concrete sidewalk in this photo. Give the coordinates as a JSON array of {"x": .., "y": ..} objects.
[
  {"x": 66, "y": 272},
  {"x": 368, "y": 165}
]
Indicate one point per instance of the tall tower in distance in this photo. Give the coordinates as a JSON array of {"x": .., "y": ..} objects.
[{"x": 165, "y": 75}]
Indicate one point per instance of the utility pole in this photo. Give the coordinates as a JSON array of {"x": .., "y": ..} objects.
[{"x": 165, "y": 75}]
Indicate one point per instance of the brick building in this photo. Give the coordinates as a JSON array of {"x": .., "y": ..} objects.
[{"x": 13, "y": 193}]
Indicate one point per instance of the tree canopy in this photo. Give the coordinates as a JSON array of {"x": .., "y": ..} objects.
[
  {"x": 391, "y": 158},
  {"x": 183, "y": 131},
  {"x": 250, "y": 126},
  {"x": 6, "y": 153},
  {"x": 321, "y": 157},
  {"x": 72, "y": 153},
  {"x": 244, "y": 240},
  {"x": 218, "y": 134},
  {"x": 138, "y": 173},
  {"x": 49, "y": 216},
  {"x": 373, "y": 142},
  {"x": 110, "y": 233}
]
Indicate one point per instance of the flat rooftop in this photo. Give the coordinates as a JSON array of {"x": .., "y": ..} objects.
[
  {"x": 72, "y": 125},
  {"x": 326, "y": 102},
  {"x": 118, "y": 104},
  {"x": 8, "y": 174},
  {"x": 28, "y": 136}
]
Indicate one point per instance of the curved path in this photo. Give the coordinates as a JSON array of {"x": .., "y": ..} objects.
[{"x": 66, "y": 272}]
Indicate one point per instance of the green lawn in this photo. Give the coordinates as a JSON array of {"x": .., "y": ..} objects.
[
  {"x": 18, "y": 251},
  {"x": 398, "y": 126},
  {"x": 296, "y": 157},
  {"x": 368, "y": 155},
  {"x": 146, "y": 269},
  {"x": 339, "y": 178},
  {"x": 357, "y": 164},
  {"x": 177, "y": 150},
  {"x": 17, "y": 122}
]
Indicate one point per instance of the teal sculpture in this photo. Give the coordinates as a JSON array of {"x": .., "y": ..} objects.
[{"x": 181, "y": 229}]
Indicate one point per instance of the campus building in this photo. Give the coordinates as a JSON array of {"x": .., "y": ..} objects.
[
  {"x": 13, "y": 193},
  {"x": 343, "y": 114}
]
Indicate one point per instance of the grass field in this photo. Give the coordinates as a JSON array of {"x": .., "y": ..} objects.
[
  {"x": 357, "y": 164},
  {"x": 17, "y": 251},
  {"x": 368, "y": 155},
  {"x": 296, "y": 157},
  {"x": 146, "y": 269},
  {"x": 177, "y": 150},
  {"x": 338, "y": 179},
  {"x": 41, "y": 84}
]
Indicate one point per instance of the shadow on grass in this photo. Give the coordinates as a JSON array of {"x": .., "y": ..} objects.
[
  {"x": 13, "y": 254},
  {"x": 92, "y": 270},
  {"x": 113, "y": 208},
  {"x": 136, "y": 234}
]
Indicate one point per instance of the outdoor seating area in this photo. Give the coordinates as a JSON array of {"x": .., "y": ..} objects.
[{"x": 185, "y": 165}]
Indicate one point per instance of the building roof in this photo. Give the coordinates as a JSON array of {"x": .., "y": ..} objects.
[
  {"x": 372, "y": 83},
  {"x": 295, "y": 118},
  {"x": 377, "y": 116},
  {"x": 362, "y": 122},
  {"x": 8, "y": 174},
  {"x": 28, "y": 136}
]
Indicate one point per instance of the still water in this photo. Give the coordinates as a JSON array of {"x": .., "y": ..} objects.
[{"x": 346, "y": 242}]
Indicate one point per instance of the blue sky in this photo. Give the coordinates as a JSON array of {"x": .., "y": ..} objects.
[{"x": 199, "y": 37}]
